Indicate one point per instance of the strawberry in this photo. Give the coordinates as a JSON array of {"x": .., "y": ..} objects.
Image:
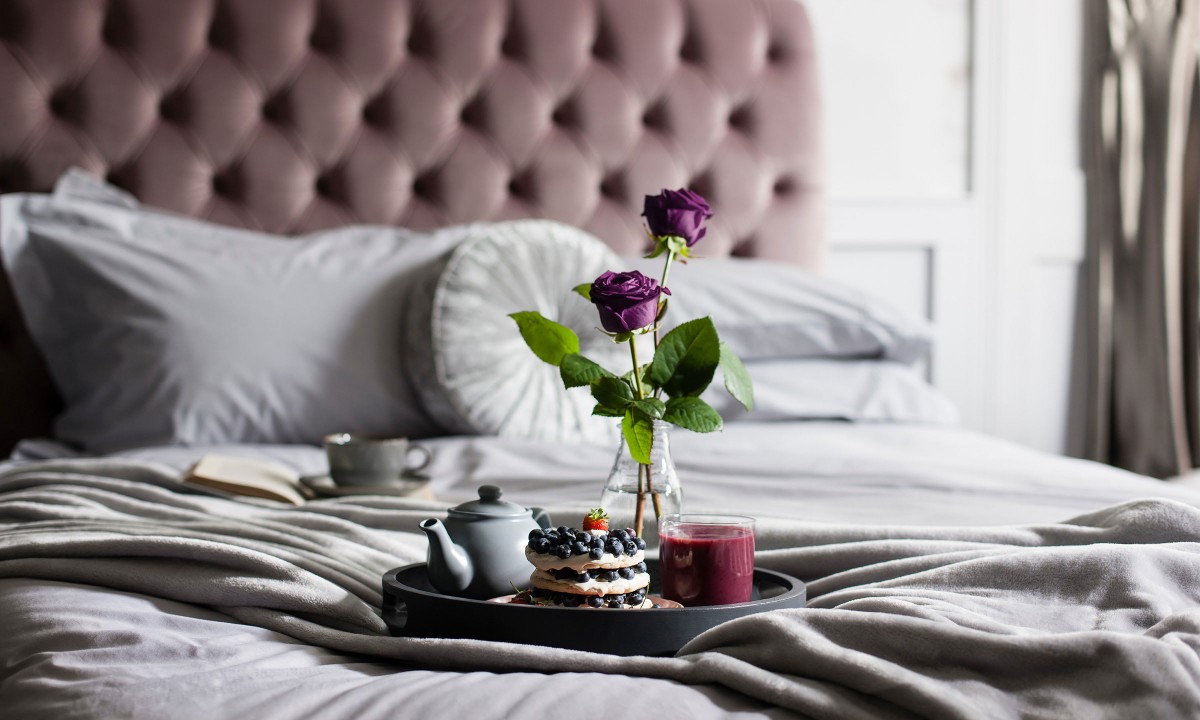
[{"x": 596, "y": 519}]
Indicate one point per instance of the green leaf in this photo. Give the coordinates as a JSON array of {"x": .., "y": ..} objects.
[
  {"x": 686, "y": 358},
  {"x": 652, "y": 407},
  {"x": 546, "y": 338},
  {"x": 639, "y": 434},
  {"x": 585, "y": 290},
  {"x": 577, "y": 371},
  {"x": 613, "y": 392},
  {"x": 644, "y": 368},
  {"x": 603, "y": 411},
  {"x": 693, "y": 414},
  {"x": 737, "y": 380}
]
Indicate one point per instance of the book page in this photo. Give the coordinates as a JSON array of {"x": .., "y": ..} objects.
[{"x": 257, "y": 478}]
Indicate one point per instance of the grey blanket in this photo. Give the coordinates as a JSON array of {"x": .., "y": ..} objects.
[{"x": 1094, "y": 617}]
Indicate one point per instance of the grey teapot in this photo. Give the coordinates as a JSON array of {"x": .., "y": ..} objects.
[{"x": 479, "y": 551}]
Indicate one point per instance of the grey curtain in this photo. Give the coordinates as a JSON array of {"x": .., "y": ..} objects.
[{"x": 1143, "y": 165}]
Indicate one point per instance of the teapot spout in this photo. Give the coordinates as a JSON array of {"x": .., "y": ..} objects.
[
  {"x": 450, "y": 569},
  {"x": 541, "y": 517}
]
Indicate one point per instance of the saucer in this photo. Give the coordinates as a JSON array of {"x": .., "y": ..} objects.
[{"x": 407, "y": 485}]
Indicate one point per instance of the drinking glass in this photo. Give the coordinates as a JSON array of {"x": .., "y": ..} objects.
[{"x": 706, "y": 559}]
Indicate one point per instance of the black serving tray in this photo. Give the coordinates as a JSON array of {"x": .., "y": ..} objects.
[{"x": 412, "y": 608}]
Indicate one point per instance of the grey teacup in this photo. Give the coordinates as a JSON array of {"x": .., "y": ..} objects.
[{"x": 365, "y": 460}]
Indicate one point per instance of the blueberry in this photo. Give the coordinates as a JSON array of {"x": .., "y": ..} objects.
[
  {"x": 583, "y": 577},
  {"x": 620, "y": 598},
  {"x": 572, "y": 601},
  {"x": 594, "y": 601},
  {"x": 596, "y": 540},
  {"x": 631, "y": 547},
  {"x": 563, "y": 574},
  {"x": 620, "y": 535},
  {"x": 630, "y": 532},
  {"x": 636, "y": 598},
  {"x": 541, "y": 545},
  {"x": 616, "y": 547},
  {"x": 641, "y": 544},
  {"x": 626, "y": 573},
  {"x": 563, "y": 529},
  {"x": 562, "y": 551},
  {"x": 607, "y": 575},
  {"x": 596, "y": 553},
  {"x": 613, "y": 604},
  {"x": 551, "y": 535},
  {"x": 640, "y": 567},
  {"x": 579, "y": 548}
]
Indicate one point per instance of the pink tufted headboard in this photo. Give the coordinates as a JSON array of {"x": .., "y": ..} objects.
[{"x": 294, "y": 115}]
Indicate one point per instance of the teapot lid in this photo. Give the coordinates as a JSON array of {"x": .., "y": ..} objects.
[{"x": 490, "y": 504}]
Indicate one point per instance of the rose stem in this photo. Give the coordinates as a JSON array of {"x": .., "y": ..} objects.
[
  {"x": 654, "y": 495},
  {"x": 662, "y": 283},
  {"x": 637, "y": 374},
  {"x": 639, "y": 514}
]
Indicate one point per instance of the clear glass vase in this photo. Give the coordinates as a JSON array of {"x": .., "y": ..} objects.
[{"x": 663, "y": 495}]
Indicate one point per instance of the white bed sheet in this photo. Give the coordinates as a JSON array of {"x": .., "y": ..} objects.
[
  {"x": 175, "y": 659},
  {"x": 837, "y": 472},
  {"x": 164, "y": 659}
]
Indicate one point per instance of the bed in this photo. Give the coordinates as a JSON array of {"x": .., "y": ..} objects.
[{"x": 233, "y": 226}]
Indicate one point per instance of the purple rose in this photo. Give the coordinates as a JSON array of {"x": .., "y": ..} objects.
[
  {"x": 677, "y": 212},
  {"x": 627, "y": 301}
]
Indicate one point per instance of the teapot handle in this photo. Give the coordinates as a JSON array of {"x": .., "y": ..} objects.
[
  {"x": 541, "y": 517},
  {"x": 395, "y": 612}
]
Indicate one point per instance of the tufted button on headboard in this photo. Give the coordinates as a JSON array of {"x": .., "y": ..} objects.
[{"x": 289, "y": 116}]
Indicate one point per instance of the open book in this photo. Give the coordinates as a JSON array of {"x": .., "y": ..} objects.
[{"x": 242, "y": 476}]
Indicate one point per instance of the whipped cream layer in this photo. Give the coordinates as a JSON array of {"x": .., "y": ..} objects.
[
  {"x": 545, "y": 581},
  {"x": 607, "y": 561}
]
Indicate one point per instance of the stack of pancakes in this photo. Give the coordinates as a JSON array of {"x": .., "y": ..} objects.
[{"x": 592, "y": 568}]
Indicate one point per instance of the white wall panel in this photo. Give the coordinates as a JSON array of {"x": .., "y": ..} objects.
[
  {"x": 896, "y": 82},
  {"x": 900, "y": 275},
  {"x": 1040, "y": 363},
  {"x": 957, "y": 191}
]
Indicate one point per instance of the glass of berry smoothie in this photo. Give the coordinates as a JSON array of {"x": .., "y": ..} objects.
[{"x": 706, "y": 559}]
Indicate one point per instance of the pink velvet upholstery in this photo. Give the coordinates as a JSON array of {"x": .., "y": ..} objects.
[{"x": 294, "y": 115}]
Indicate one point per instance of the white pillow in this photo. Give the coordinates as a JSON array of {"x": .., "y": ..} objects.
[
  {"x": 767, "y": 310},
  {"x": 473, "y": 371},
  {"x": 160, "y": 329},
  {"x": 480, "y": 378},
  {"x": 829, "y": 389}
]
